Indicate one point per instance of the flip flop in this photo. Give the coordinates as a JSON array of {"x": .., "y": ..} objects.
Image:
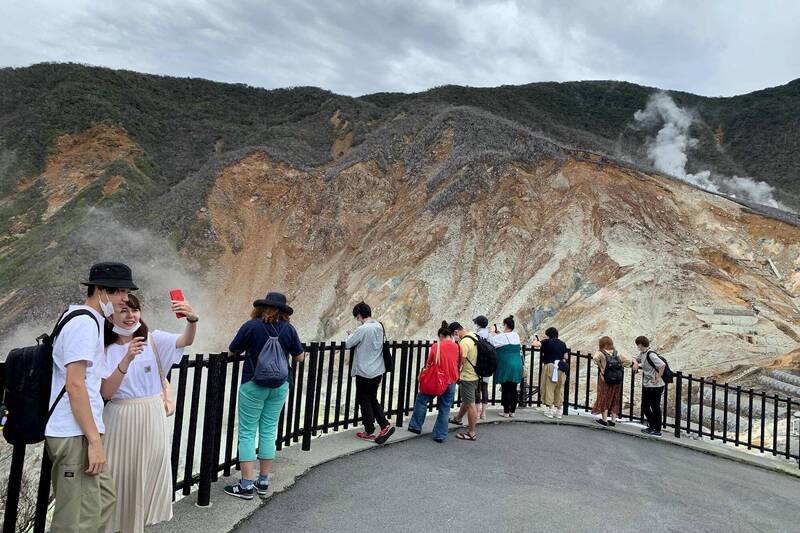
[
  {"x": 466, "y": 436},
  {"x": 455, "y": 422}
]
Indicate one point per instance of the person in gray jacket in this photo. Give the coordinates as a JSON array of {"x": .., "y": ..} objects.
[{"x": 368, "y": 368}]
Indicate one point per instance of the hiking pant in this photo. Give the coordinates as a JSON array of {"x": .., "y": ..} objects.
[
  {"x": 552, "y": 391},
  {"x": 371, "y": 410},
  {"x": 259, "y": 410},
  {"x": 508, "y": 396},
  {"x": 84, "y": 503},
  {"x": 651, "y": 406},
  {"x": 444, "y": 403}
]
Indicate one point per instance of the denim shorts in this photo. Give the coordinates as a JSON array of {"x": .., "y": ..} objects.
[{"x": 468, "y": 389}]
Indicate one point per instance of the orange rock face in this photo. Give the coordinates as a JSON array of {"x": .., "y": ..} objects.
[{"x": 590, "y": 247}]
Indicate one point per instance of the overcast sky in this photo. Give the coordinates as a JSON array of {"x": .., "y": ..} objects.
[{"x": 713, "y": 48}]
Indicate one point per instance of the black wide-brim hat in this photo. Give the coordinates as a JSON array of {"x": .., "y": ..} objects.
[
  {"x": 276, "y": 300},
  {"x": 111, "y": 275}
]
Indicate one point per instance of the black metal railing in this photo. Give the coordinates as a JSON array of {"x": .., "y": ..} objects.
[{"x": 322, "y": 400}]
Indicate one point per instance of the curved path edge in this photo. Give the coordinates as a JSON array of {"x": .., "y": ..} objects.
[{"x": 226, "y": 513}]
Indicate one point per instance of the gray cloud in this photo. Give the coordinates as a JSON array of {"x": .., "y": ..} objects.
[{"x": 712, "y": 48}]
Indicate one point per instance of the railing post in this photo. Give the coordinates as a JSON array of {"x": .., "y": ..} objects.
[
  {"x": 678, "y": 390},
  {"x": 402, "y": 391},
  {"x": 43, "y": 494},
  {"x": 207, "y": 460},
  {"x": 14, "y": 488},
  {"x": 220, "y": 406},
  {"x": 541, "y": 381},
  {"x": 308, "y": 419},
  {"x": 565, "y": 407}
]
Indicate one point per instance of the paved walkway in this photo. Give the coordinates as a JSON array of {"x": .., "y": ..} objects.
[{"x": 533, "y": 477}]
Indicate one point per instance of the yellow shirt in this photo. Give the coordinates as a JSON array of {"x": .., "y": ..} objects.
[{"x": 469, "y": 355}]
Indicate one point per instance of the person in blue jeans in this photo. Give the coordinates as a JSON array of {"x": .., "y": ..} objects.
[
  {"x": 448, "y": 354},
  {"x": 260, "y": 407}
]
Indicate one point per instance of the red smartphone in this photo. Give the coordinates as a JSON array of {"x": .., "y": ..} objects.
[{"x": 177, "y": 294}]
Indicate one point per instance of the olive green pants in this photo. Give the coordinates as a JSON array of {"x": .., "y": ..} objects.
[{"x": 84, "y": 503}]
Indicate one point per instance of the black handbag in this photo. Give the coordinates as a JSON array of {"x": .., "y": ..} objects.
[
  {"x": 563, "y": 366},
  {"x": 388, "y": 355}
]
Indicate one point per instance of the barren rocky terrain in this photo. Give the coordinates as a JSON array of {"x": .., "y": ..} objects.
[{"x": 427, "y": 210}]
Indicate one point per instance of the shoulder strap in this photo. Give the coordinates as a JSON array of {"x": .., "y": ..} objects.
[
  {"x": 62, "y": 321},
  {"x": 158, "y": 358},
  {"x": 604, "y": 361},
  {"x": 279, "y": 331},
  {"x": 383, "y": 329},
  {"x": 473, "y": 339},
  {"x": 59, "y": 326}
]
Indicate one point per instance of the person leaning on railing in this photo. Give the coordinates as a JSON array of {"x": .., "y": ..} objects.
[
  {"x": 652, "y": 385},
  {"x": 368, "y": 368},
  {"x": 137, "y": 438},
  {"x": 260, "y": 407},
  {"x": 509, "y": 365},
  {"x": 552, "y": 377},
  {"x": 609, "y": 397},
  {"x": 482, "y": 392},
  {"x": 444, "y": 355}
]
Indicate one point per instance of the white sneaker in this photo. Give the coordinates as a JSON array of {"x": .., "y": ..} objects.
[
  {"x": 559, "y": 413},
  {"x": 542, "y": 408},
  {"x": 549, "y": 413}
]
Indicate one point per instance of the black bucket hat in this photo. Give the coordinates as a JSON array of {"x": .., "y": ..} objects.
[
  {"x": 274, "y": 299},
  {"x": 112, "y": 275}
]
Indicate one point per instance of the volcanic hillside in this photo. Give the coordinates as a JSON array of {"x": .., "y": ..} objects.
[{"x": 440, "y": 205}]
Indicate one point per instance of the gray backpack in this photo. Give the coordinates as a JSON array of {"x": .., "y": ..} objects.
[{"x": 272, "y": 365}]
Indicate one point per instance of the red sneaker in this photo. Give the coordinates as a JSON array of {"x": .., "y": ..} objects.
[
  {"x": 384, "y": 435},
  {"x": 363, "y": 435}
]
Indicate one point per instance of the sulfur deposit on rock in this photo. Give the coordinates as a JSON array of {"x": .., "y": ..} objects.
[{"x": 592, "y": 247}]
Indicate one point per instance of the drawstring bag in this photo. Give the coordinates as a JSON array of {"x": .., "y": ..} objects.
[
  {"x": 432, "y": 380},
  {"x": 166, "y": 388}
]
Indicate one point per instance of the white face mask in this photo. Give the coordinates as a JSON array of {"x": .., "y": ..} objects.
[
  {"x": 126, "y": 332},
  {"x": 106, "y": 307}
]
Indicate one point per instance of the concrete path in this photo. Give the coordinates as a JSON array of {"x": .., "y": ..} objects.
[
  {"x": 292, "y": 464},
  {"x": 533, "y": 477}
]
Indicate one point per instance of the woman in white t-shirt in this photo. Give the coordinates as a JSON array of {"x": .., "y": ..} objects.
[{"x": 137, "y": 437}]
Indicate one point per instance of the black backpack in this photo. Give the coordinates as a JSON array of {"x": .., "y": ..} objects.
[
  {"x": 28, "y": 377},
  {"x": 613, "y": 374},
  {"x": 486, "y": 363},
  {"x": 668, "y": 374}
]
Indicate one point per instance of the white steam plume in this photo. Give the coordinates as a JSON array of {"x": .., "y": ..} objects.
[
  {"x": 668, "y": 153},
  {"x": 157, "y": 268}
]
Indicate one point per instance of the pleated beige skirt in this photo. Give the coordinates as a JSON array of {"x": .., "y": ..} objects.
[{"x": 138, "y": 454}]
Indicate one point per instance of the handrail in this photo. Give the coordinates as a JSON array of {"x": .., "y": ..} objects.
[{"x": 322, "y": 400}]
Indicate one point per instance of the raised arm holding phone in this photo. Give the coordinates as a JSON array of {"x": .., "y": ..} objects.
[{"x": 138, "y": 444}]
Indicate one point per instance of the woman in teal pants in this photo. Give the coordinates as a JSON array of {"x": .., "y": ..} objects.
[{"x": 259, "y": 406}]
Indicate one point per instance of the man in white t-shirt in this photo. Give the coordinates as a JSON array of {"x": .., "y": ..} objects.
[{"x": 84, "y": 490}]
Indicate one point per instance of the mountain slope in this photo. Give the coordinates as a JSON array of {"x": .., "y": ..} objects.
[{"x": 439, "y": 205}]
